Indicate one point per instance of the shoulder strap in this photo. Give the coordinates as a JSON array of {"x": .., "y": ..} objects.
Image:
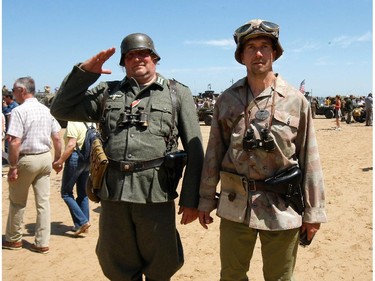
[
  {"x": 172, "y": 139},
  {"x": 173, "y": 93}
]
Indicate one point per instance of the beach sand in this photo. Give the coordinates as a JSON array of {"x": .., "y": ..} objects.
[{"x": 341, "y": 250}]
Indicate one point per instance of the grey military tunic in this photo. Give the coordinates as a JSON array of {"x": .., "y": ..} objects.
[{"x": 139, "y": 142}]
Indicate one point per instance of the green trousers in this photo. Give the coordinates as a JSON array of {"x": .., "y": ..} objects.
[
  {"x": 237, "y": 242},
  {"x": 138, "y": 239}
]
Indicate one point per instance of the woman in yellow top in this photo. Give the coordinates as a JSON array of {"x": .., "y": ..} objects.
[{"x": 76, "y": 172}]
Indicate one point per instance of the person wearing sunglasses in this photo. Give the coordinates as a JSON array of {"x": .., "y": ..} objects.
[
  {"x": 263, "y": 150},
  {"x": 140, "y": 117}
]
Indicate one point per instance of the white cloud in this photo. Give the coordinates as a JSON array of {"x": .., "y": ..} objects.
[
  {"x": 224, "y": 43},
  {"x": 322, "y": 61},
  {"x": 213, "y": 69},
  {"x": 346, "y": 41},
  {"x": 300, "y": 47}
]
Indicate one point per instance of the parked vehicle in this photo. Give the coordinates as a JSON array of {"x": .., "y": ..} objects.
[
  {"x": 359, "y": 114},
  {"x": 327, "y": 111},
  {"x": 205, "y": 114}
]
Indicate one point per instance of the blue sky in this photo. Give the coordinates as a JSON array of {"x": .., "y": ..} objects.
[{"x": 326, "y": 42}]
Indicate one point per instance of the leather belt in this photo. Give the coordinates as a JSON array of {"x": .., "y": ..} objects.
[
  {"x": 260, "y": 185},
  {"x": 135, "y": 166},
  {"x": 31, "y": 153}
]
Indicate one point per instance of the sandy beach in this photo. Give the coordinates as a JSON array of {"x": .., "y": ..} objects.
[{"x": 341, "y": 250}]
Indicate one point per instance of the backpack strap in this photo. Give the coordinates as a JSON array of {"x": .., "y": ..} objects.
[{"x": 77, "y": 147}]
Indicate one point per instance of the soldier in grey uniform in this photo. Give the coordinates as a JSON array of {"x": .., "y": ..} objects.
[{"x": 137, "y": 228}]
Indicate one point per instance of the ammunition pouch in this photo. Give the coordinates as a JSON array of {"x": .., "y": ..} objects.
[
  {"x": 174, "y": 163},
  {"x": 91, "y": 192},
  {"x": 233, "y": 200},
  {"x": 98, "y": 167}
]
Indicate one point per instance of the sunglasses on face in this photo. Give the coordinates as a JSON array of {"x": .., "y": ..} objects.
[{"x": 137, "y": 54}]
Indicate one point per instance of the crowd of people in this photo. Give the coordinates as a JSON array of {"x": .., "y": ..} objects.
[
  {"x": 204, "y": 102},
  {"x": 346, "y": 107},
  {"x": 270, "y": 189}
]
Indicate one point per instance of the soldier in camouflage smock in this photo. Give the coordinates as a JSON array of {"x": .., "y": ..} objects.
[
  {"x": 137, "y": 229},
  {"x": 261, "y": 126}
]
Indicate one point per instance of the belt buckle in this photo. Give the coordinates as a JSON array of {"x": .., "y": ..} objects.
[
  {"x": 128, "y": 167},
  {"x": 132, "y": 166},
  {"x": 138, "y": 166},
  {"x": 251, "y": 185}
]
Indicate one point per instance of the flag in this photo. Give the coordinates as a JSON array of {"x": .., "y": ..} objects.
[{"x": 302, "y": 87}]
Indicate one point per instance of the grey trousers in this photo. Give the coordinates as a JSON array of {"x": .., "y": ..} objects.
[{"x": 138, "y": 239}]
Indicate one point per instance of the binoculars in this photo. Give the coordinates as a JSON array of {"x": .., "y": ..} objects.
[
  {"x": 249, "y": 142},
  {"x": 138, "y": 118}
]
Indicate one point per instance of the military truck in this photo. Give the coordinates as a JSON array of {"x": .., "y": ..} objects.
[{"x": 205, "y": 105}]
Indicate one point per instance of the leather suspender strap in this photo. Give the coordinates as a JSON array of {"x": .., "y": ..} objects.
[
  {"x": 172, "y": 140},
  {"x": 173, "y": 92}
]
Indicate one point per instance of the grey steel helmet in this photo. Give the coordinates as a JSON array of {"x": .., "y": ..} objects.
[
  {"x": 257, "y": 28},
  {"x": 137, "y": 41}
]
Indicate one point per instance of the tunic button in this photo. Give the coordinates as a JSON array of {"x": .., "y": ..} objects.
[
  {"x": 130, "y": 155},
  {"x": 132, "y": 135}
]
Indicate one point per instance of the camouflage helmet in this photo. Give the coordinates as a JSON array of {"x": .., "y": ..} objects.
[
  {"x": 136, "y": 41},
  {"x": 257, "y": 28}
]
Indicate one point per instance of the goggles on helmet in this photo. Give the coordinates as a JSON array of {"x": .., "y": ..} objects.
[{"x": 248, "y": 28}]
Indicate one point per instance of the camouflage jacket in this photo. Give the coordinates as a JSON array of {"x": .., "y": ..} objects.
[
  {"x": 294, "y": 135},
  {"x": 136, "y": 142}
]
